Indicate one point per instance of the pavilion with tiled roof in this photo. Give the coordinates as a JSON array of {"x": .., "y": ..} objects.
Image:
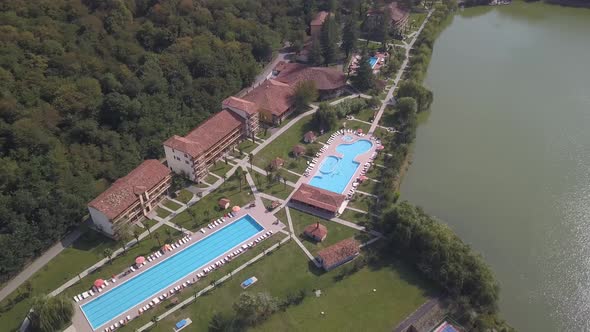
[
  {"x": 317, "y": 198},
  {"x": 317, "y": 231},
  {"x": 338, "y": 254},
  {"x": 274, "y": 100},
  {"x": 329, "y": 82}
]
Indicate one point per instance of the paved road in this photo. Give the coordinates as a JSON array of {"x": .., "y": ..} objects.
[
  {"x": 38, "y": 263},
  {"x": 398, "y": 76}
]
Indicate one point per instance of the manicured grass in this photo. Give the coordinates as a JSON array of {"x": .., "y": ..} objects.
[
  {"x": 162, "y": 213},
  {"x": 336, "y": 232},
  {"x": 171, "y": 205},
  {"x": 368, "y": 186},
  {"x": 282, "y": 216},
  {"x": 221, "y": 168},
  {"x": 247, "y": 146},
  {"x": 206, "y": 281},
  {"x": 230, "y": 189},
  {"x": 184, "y": 196},
  {"x": 361, "y": 202},
  {"x": 120, "y": 263},
  {"x": 283, "y": 145},
  {"x": 365, "y": 115},
  {"x": 290, "y": 176},
  {"x": 415, "y": 20},
  {"x": 210, "y": 179},
  {"x": 355, "y": 217},
  {"x": 85, "y": 252},
  {"x": 276, "y": 188},
  {"x": 350, "y": 304}
]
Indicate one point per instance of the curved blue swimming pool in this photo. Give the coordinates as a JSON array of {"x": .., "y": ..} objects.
[
  {"x": 335, "y": 173},
  {"x": 158, "y": 278}
]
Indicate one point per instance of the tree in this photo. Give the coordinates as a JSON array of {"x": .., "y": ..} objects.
[
  {"x": 157, "y": 237},
  {"x": 384, "y": 28},
  {"x": 50, "y": 314},
  {"x": 325, "y": 118},
  {"x": 305, "y": 93},
  {"x": 250, "y": 160},
  {"x": 329, "y": 39},
  {"x": 350, "y": 36},
  {"x": 257, "y": 177},
  {"x": 315, "y": 53},
  {"x": 364, "y": 78},
  {"x": 168, "y": 232},
  {"x": 255, "y": 308},
  {"x": 108, "y": 253},
  {"x": 238, "y": 176},
  {"x": 224, "y": 178},
  {"x": 123, "y": 234},
  {"x": 415, "y": 90},
  {"x": 136, "y": 234}
]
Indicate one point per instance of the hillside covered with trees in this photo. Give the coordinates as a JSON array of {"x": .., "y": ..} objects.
[{"x": 88, "y": 89}]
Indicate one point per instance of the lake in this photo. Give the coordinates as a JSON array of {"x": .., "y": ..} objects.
[{"x": 504, "y": 155}]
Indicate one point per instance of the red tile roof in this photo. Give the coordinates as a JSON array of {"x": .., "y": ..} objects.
[
  {"x": 273, "y": 96},
  {"x": 320, "y": 18},
  {"x": 203, "y": 137},
  {"x": 397, "y": 13},
  {"x": 339, "y": 252},
  {"x": 124, "y": 192},
  {"x": 324, "y": 78},
  {"x": 241, "y": 104},
  {"x": 318, "y": 197},
  {"x": 316, "y": 231}
]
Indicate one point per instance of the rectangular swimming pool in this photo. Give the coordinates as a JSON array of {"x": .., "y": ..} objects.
[
  {"x": 159, "y": 277},
  {"x": 373, "y": 62},
  {"x": 335, "y": 173}
]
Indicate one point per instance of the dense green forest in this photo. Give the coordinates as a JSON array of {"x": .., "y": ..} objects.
[{"x": 91, "y": 88}]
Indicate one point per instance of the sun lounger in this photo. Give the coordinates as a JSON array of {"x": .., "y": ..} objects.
[{"x": 91, "y": 293}]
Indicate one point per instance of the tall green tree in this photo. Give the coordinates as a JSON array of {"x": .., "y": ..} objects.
[
  {"x": 305, "y": 93},
  {"x": 49, "y": 314},
  {"x": 255, "y": 308},
  {"x": 329, "y": 38},
  {"x": 350, "y": 35},
  {"x": 315, "y": 56},
  {"x": 413, "y": 89},
  {"x": 364, "y": 78},
  {"x": 325, "y": 119}
]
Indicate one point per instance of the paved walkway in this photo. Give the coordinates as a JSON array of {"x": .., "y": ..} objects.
[
  {"x": 216, "y": 283},
  {"x": 398, "y": 76},
  {"x": 38, "y": 263},
  {"x": 303, "y": 248}
]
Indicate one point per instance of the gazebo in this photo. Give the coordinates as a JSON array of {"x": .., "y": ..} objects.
[
  {"x": 298, "y": 150},
  {"x": 224, "y": 203},
  {"x": 317, "y": 231}
]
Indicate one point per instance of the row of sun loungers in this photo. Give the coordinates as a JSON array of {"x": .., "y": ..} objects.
[
  {"x": 93, "y": 291},
  {"x": 218, "y": 222},
  {"x": 117, "y": 324}
]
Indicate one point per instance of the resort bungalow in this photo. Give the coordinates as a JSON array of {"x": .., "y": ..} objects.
[
  {"x": 309, "y": 137},
  {"x": 338, "y": 254},
  {"x": 192, "y": 154},
  {"x": 399, "y": 16},
  {"x": 330, "y": 82},
  {"x": 317, "y": 232},
  {"x": 131, "y": 197},
  {"x": 273, "y": 100},
  {"x": 317, "y": 199}
]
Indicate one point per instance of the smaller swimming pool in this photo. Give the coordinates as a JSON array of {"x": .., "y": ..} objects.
[
  {"x": 335, "y": 173},
  {"x": 347, "y": 138},
  {"x": 373, "y": 61}
]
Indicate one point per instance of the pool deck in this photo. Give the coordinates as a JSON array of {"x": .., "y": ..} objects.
[
  {"x": 259, "y": 213},
  {"x": 362, "y": 159}
]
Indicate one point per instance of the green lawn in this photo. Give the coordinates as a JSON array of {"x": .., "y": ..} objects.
[
  {"x": 365, "y": 115},
  {"x": 210, "y": 179},
  {"x": 361, "y": 202},
  {"x": 171, "y": 205},
  {"x": 355, "y": 217},
  {"x": 336, "y": 232},
  {"x": 247, "y": 146},
  {"x": 184, "y": 196},
  {"x": 282, "y": 146},
  {"x": 220, "y": 168},
  {"x": 415, "y": 20},
  {"x": 207, "y": 280},
  {"x": 86, "y": 251},
  {"x": 368, "y": 186},
  {"x": 282, "y": 216},
  {"x": 346, "y": 303},
  {"x": 162, "y": 213},
  {"x": 230, "y": 189},
  {"x": 276, "y": 188},
  {"x": 120, "y": 263}
]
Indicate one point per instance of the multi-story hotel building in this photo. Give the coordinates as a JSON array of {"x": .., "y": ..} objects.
[
  {"x": 131, "y": 197},
  {"x": 193, "y": 154}
]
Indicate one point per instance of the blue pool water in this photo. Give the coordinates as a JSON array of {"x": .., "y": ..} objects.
[
  {"x": 158, "y": 278},
  {"x": 373, "y": 61},
  {"x": 335, "y": 173},
  {"x": 347, "y": 138}
]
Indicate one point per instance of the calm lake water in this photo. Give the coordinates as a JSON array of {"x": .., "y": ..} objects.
[{"x": 504, "y": 156}]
